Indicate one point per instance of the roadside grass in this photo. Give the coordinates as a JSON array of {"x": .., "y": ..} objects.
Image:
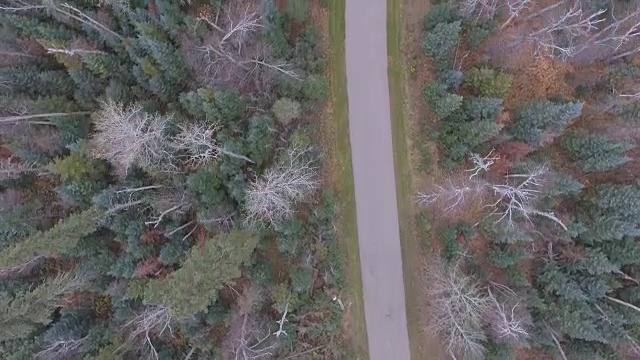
[
  {"x": 340, "y": 153},
  {"x": 411, "y": 247}
]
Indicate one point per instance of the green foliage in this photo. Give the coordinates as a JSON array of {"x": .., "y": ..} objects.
[
  {"x": 482, "y": 109},
  {"x": 477, "y": 34},
  {"x": 506, "y": 256},
  {"x": 453, "y": 239},
  {"x": 260, "y": 141},
  {"x": 442, "y": 39},
  {"x": 315, "y": 88},
  {"x": 595, "y": 152},
  {"x": 56, "y": 240},
  {"x": 537, "y": 119},
  {"x": 441, "y": 13},
  {"x": 488, "y": 82},
  {"x": 35, "y": 82},
  {"x": 301, "y": 279},
  {"x": 195, "y": 285},
  {"x": 441, "y": 102},
  {"x": 611, "y": 213},
  {"x": 24, "y": 312},
  {"x": 286, "y": 110}
]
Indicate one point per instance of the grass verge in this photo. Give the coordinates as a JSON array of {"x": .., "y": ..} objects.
[
  {"x": 399, "y": 126},
  {"x": 340, "y": 152}
]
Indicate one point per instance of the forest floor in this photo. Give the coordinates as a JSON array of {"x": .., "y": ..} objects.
[
  {"x": 409, "y": 69},
  {"x": 338, "y": 171},
  {"x": 374, "y": 179}
]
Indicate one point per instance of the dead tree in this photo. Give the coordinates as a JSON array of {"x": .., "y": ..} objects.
[
  {"x": 198, "y": 145},
  {"x": 234, "y": 52},
  {"x": 516, "y": 198},
  {"x": 249, "y": 338},
  {"x": 506, "y": 321},
  {"x": 63, "y": 349},
  {"x": 459, "y": 308},
  {"x": 11, "y": 169},
  {"x": 127, "y": 135},
  {"x": 272, "y": 197},
  {"x": 152, "y": 321}
]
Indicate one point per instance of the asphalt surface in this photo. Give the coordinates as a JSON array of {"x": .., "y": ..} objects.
[{"x": 374, "y": 179}]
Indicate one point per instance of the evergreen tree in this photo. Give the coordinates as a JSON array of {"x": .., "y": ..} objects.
[
  {"x": 536, "y": 119},
  {"x": 440, "y": 42},
  {"x": 595, "y": 152},
  {"x": 58, "y": 239},
  {"x": 482, "y": 109},
  {"x": 441, "y": 102},
  {"x": 488, "y": 82},
  {"x": 503, "y": 257},
  {"x": 26, "y": 311},
  {"x": 441, "y": 13},
  {"x": 195, "y": 285},
  {"x": 611, "y": 213}
]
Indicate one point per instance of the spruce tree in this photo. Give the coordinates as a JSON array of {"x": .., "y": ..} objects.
[
  {"x": 538, "y": 118},
  {"x": 440, "y": 42},
  {"x": 481, "y": 108},
  {"x": 56, "y": 240},
  {"x": 595, "y": 152},
  {"x": 195, "y": 285},
  {"x": 611, "y": 213},
  {"x": 440, "y": 13},
  {"x": 440, "y": 100}
]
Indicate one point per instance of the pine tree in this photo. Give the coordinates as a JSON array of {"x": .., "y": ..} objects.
[
  {"x": 440, "y": 13},
  {"x": 611, "y": 213},
  {"x": 195, "y": 285},
  {"x": 488, "y": 82},
  {"x": 595, "y": 152},
  {"x": 260, "y": 140},
  {"x": 539, "y": 118},
  {"x": 623, "y": 252},
  {"x": 481, "y": 108},
  {"x": 440, "y": 42},
  {"x": 26, "y": 311},
  {"x": 36, "y": 82},
  {"x": 58, "y": 239},
  {"x": 503, "y": 257},
  {"x": 441, "y": 102}
]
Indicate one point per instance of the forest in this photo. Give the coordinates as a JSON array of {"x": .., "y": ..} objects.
[
  {"x": 161, "y": 192},
  {"x": 532, "y": 193}
]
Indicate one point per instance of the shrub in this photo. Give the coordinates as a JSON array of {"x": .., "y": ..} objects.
[
  {"x": 286, "y": 110},
  {"x": 315, "y": 88},
  {"x": 488, "y": 82},
  {"x": 482, "y": 109},
  {"x": 439, "y": 42}
]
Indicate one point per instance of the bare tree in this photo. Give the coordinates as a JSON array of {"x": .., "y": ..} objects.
[
  {"x": 517, "y": 197},
  {"x": 152, "y": 320},
  {"x": 272, "y": 197},
  {"x": 249, "y": 338},
  {"x": 459, "y": 307},
  {"x": 516, "y": 7},
  {"x": 480, "y": 9},
  {"x": 198, "y": 143},
  {"x": 11, "y": 169},
  {"x": 62, "y": 349},
  {"x": 127, "y": 135},
  {"x": 234, "y": 52},
  {"x": 506, "y": 321}
]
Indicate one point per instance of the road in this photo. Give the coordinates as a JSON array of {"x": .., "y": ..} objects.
[{"x": 374, "y": 179}]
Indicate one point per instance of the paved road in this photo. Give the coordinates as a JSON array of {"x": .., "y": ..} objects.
[{"x": 374, "y": 179}]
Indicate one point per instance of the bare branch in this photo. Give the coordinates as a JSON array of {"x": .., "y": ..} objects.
[
  {"x": 198, "y": 143},
  {"x": 271, "y": 198},
  {"x": 481, "y": 163},
  {"x": 151, "y": 320},
  {"x": 505, "y": 322},
  {"x": 128, "y": 136},
  {"x": 63, "y": 349},
  {"x": 10, "y": 169},
  {"x": 281, "y": 322}
]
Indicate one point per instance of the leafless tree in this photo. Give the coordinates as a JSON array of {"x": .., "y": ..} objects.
[
  {"x": 152, "y": 320},
  {"x": 127, "y": 135},
  {"x": 480, "y": 9},
  {"x": 516, "y": 7},
  {"x": 197, "y": 141},
  {"x": 517, "y": 197},
  {"x": 11, "y": 169},
  {"x": 234, "y": 52},
  {"x": 29, "y": 119},
  {"x": 459, "y": 307},
  {"x": 272, "y": 197},
  {"x": 506, "y": 321},
  {"x": 64, "y": 9},
  {"x": 169, "y": 201},
  {"x": 481, "y": 163},
  {"x": 62, "y": 349},
  {"x": 249, "y": 338}
]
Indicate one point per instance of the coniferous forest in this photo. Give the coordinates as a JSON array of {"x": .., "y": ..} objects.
[{"x": 160, "y": 186}]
